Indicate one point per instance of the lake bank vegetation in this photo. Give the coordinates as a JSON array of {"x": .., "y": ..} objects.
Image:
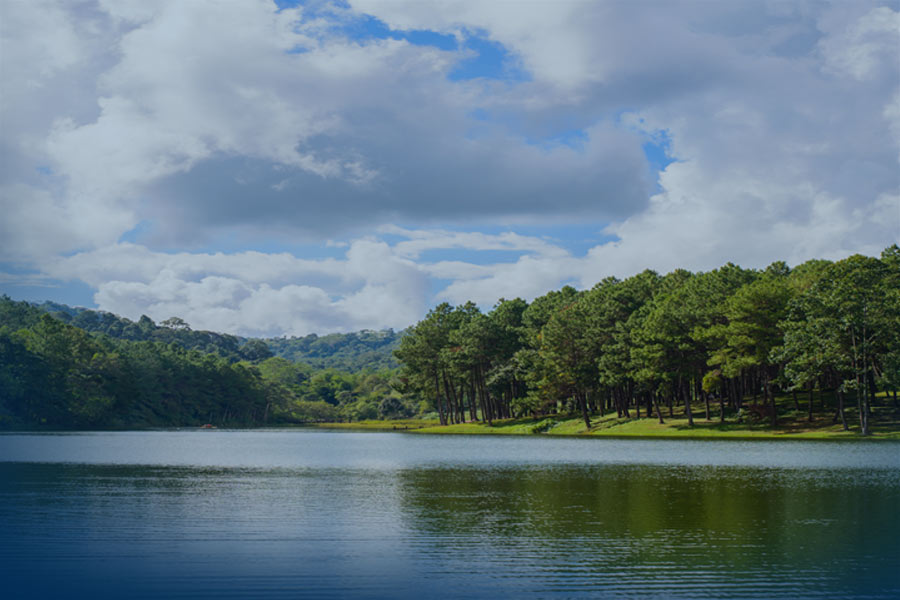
[
  {"x": 720, "y": 345},
  {"x": 813, "y": 350},
  {"x": 793, "y": 425}
]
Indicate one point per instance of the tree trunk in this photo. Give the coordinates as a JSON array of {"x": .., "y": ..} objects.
[
  {"x": 840, "y": 395},
  {"x": 437, "y": 399},
  {"x": 486, "y": 408},
  {"x": 873, "y": 391},
  {"x": 721, "y": 407},
  {"x": 860, "y": 408},
  {"x": 582, "y": 402},
  {"x": 866, "y": 409},
  {"x": 810, "y": 417},
  {"x": 451, "y": 398},
  {"x": 686, "y": 394},
  {"x": 656, "y": 404},
  {"x": 706, "y": 401}
]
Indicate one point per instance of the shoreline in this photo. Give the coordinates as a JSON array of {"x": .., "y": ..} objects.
[
  {"x": 609, "y": 426},
  {"x": 614, "y": 428}
]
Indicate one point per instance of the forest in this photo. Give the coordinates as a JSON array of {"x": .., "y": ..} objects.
[
  {"x": 351, "y": 352},
  {"x": 66, "y": 368},
  {"x": 715, "y": 345}
]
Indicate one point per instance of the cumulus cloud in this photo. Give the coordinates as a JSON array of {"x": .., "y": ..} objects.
[
  {"x": 209, "y": 117},
  {"x": 253, "y": 292},
  {"x": 373, "y": 285},
  {"x": 422, "y": 240},
  {"x": 189, "y": 123}
]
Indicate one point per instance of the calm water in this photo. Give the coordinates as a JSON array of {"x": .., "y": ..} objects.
[{"x": 318, "y": 514}]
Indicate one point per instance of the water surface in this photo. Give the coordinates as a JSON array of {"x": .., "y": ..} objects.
[{"x": 336, "y": 514}]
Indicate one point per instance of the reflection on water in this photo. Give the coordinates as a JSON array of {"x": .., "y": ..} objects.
[
  {"x": 177, "y": 514},
  {"x": 634, "y": 531}
]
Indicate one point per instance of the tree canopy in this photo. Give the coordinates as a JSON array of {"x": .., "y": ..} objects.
[{"x": 730, "y": 335}]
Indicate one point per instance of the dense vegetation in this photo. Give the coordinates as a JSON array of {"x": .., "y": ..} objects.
[
  {"x": 723, "y": 343},
  {"x": 77, "y": 368},
  {"x": 351, "y": 352},
  {"x": 170, "y": 331}
]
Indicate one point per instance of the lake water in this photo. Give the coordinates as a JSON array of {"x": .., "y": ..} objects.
[{"x": 249, "y": 514}]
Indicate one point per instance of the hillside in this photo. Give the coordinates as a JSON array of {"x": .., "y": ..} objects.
[
  {"x": 350, "y": 352},
  {"x": 344, "y": 351},
  {"x": 69, "y": 368}
]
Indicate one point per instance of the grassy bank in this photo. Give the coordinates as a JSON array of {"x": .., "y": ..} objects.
[
  {"x": 792, "y": 424},
  {"x": 612, "y": 426},
  {"x": 378, "y": 425}
]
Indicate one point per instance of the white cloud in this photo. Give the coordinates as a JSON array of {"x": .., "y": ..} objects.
[
  {"x": 551, "y": 38},
  {"x": 741, "y": 220},
  {"x": 374, "y": 285},
  {"x": 527, "y": 278},
  {"x": 208, "y": 121},
  {"x": 422, "y": 240},
  {"x": 207, "y": 118},
  {"x": 253, "y": 293},
  {"x": 862, "y": 47}
]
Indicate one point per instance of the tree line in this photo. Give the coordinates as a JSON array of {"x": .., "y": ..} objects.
[
  {"x": 724, "y": 341},
  {"x": 56, "y": 375},
  {"x": 350, "y": 352}
]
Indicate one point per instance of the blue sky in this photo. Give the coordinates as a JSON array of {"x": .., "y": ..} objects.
[{"x": 284, "y": 168}]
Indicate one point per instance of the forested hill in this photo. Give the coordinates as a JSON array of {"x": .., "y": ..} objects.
[
  {"x": 110, "y": 372},
  {"x": 170, "y": 331},
  {"x": 350, "y": 352}
]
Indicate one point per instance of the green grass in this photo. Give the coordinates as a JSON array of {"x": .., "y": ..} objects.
[
  {"x": 611, "y": 426},
  {"x": 792, "y": 424}
]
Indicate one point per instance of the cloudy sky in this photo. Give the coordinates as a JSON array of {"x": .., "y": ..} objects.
[{"x": 270, "y": 168}]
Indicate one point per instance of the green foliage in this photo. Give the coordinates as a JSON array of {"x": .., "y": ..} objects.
[
  {"x": 313, "y": 412},
  {"x": 173, "y": 330},
  {"x": 352, "y": 352},
  {"x": 684, "y": 338},
  {"x": 56, "y": 375},
  {"x": 679, "y": 339}
]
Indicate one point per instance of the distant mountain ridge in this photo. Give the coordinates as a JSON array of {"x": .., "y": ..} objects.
[{"x": 351, "y": 352}]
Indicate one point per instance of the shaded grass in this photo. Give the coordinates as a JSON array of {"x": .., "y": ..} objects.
[
  {"x": 612, "y": 426},
  {"x": 792, "y": 424},
  {"x": 376, "y": 425}
]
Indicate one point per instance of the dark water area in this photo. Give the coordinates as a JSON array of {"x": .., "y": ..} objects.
[{"x": 287, "y": 514}]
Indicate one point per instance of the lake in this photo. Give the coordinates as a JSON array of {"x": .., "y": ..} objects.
[{"x": 303, "y": 513}]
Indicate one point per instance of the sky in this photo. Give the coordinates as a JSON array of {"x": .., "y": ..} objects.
[{"x": 283, "y": 168}]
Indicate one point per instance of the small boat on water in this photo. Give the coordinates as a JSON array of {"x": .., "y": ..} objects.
[{"x": 208, "y": 426}]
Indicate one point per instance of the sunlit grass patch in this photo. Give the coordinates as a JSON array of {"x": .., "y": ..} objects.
[{"x": 793, "y": 423}]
